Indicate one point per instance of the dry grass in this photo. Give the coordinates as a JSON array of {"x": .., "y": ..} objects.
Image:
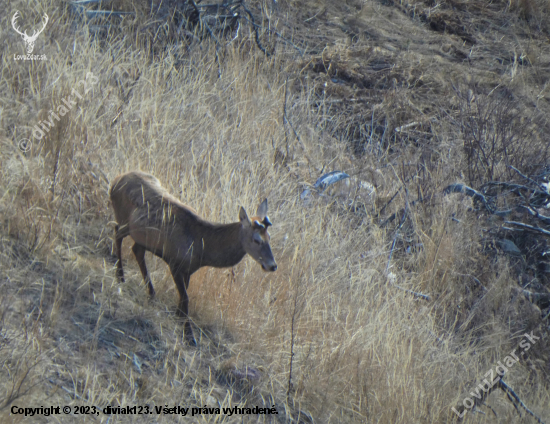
[{"x": 360, "y": 349}]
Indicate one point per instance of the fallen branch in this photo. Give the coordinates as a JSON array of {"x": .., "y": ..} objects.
[
  {"x": 529, "y": 179},
  {"x": 512, "y": 396},
  {"x": 526, "y": 226},
  {"x": 468, "y": 191},
  {"x": 415, "y": 294},
  {"x": 516, "y": 400},
  {"x": 212, "y": 18},
  {"x": 514, "y": 187},
  {"x": 533, "y": 212}
]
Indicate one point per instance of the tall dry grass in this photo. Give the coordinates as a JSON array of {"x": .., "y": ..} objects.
[{"x": 332, "y": 339}]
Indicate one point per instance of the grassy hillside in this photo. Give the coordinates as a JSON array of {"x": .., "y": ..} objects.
[{"x": 406, "y": 97}]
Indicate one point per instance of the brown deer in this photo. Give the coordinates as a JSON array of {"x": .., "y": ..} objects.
[{"x": 161, "y": 224}]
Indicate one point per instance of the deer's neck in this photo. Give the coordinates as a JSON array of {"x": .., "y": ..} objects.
[{"x": 219, "y": 245}]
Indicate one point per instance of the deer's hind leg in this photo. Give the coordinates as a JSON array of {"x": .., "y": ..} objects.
[
  {"x": 120, "y": 233},
  {"x": 139, "y": 253}
]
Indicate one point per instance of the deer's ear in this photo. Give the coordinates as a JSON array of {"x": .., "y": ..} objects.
[
  {"x": 262, "y": 210},
  {"x": 243, "y": 217}
]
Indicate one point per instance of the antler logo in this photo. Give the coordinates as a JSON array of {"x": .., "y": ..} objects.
[{"x": 29, "y": 40}]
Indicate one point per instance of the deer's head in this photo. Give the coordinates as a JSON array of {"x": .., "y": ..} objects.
[{"x": 255, "y": 238}]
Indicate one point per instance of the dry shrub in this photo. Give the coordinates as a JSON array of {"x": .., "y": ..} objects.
[{"x": 494, "y": 131}]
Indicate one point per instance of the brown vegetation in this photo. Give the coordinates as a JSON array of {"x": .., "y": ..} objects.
[{"x": 408, "y": 98}]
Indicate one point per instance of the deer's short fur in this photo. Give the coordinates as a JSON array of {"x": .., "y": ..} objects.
[{"x": 161, "y": 224}]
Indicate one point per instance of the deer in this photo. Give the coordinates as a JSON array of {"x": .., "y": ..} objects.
[
  {"x": 29, "y": 39},
  {"x": 161, "y": 224}
]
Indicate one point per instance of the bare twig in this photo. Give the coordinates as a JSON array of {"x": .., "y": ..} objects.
[
  {"x": 256, "y": 34},
  {"x": 533, "y": 212},
  {"x": 514, "y": 187},
  {"x": 514, "y": 398},
  {"x": 468, "y": 191},
  {"x": 389, "y": 201},
  {"x": 205, "y": 24},
  {"x": 498, "y": 383},
  {"x": 529, "y": 227},
  {"x": 528, "y": 179},
  {"x": 415, "y": 294}
]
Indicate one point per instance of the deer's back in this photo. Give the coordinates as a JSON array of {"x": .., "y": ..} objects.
[
  {"x": 137, "y": 189},
  {"x": 155, "y": 218}
]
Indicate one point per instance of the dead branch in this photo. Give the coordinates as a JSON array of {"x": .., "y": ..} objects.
[
  {"x": 528, "y": 178},
  {"x": 516, "y": 188},
  {"x": 255, "y": 28},
  {"x": 213, "y": 19},
  {"x": 533, "y": 212},
  {"x": 468, "y": 191},
  {"x": 512, "y": 396},
  {"x": 415, "y": 294},
  {"x": 529, "y": 227},
  {"x": 476, "y": 195}
]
